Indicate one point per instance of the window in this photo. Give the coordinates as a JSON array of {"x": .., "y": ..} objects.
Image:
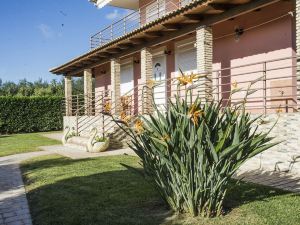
[{"x": 186, "y": 56}]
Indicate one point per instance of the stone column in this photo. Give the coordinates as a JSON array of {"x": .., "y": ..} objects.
[
  {"x": 204, "y": 42},
  {"x": 68, "y": 95},
  {"x": 115, "y": 84},
  {"x": 88, "y": 91},
  {"x": 145, "y": 95},
  {"x": 297, "y": 5}
]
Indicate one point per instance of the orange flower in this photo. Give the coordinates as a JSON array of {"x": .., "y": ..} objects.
[
  {"x": 125, "y": 118},
  {"x": 185, "y": 80},
  {"x": 192, "y": 77},
  {"x": 195, "y": 114},
  {"x": 107, "y": 107},
  {"x": 165, "y": 137},
  {"x": 139, "y": 126},
  {"x": 234, "y": 84},
  {"x": 279, "y": 110},
  {"x": 151, "y": 83}
]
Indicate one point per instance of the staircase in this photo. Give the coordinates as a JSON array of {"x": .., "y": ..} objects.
[{"x": 88, "y": 117}]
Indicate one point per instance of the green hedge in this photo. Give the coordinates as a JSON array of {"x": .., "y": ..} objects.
[{"x": 30, "y": 114}]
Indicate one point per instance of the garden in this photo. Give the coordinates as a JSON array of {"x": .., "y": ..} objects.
[{"x": 183, "y": 172}]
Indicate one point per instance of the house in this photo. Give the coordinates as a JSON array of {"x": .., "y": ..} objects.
[{"x": 233, "y": 42}]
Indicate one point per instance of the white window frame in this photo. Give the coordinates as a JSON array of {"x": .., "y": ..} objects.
[
  {"x": 127, "y": 63},
  {"x": 183, "y": 46}
]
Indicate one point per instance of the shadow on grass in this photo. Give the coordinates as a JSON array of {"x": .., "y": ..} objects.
[
  {"x": 5, "y": 136},
  {"x": 115, "y": 197},
  {"x": 252, "y": 187}
]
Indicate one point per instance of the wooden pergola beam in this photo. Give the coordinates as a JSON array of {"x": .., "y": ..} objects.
[
  {"x": 113, "y": 50},
  {"x": 138, "y": 41},
  {"x": 171, "y": 26},
  {"x": 125, "y": 46},
  {"x": 194, "y": 17},
  {"x": 153, "y": 34}
]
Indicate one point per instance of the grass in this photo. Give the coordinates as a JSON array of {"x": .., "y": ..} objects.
[
  {"x": 62, "y": 191},
  {"x": 22, "y": 143}
]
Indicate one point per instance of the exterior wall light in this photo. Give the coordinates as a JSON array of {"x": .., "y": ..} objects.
[
  {"x": 238, "y": 32},
  {"x": 167, "y": 52}
]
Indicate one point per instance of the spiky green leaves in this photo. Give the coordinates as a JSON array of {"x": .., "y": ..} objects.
[{"x": 192, "y": 150}]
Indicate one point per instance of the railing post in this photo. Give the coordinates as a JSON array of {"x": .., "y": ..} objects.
[
  {"x": 124, "y": 24},
  {"x": 77, "y": 104},
  {"x": 103, "y": 124},
  {"x": 265, "y": 87},
  {"x": 77, "y": 124},
  {"x": 157, "y": 4},
  {"x": 111, "y": 32},
  {"x": 143, "y": 101},
  {"x": 140, "y": 18},
  {"x": 218, "y": 84},
  {"x": 101, "y": 38}
]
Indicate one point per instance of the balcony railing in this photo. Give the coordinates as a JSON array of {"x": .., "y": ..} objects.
[
  {"x": 152, "y": 11},
  {"x": 266, "y": 87}
]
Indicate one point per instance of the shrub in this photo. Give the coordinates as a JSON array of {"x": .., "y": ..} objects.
[
  {"x": 192, "y": 150},
  {"x": 30, "y": 114}
]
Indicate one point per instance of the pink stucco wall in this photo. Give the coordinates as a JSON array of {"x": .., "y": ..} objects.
[
  {"x": 102, "y": 78},
  {"x": 273, "y": 40},
  {"x": 270, "y": 41}
]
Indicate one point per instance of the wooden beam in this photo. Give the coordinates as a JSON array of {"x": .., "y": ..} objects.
[
  {"x": 113, "y": 50},
  {"x": 217, "y": 8},
  {"x": 125, "y": 46},
  {"x": 137, "y": 41},
  {"x": 153, "y": 34},
  {"x": 196, "y": 18},
  {"x": 94, "y": 58},
  {"x": 103, "y": 54},
  {"x": 171, "y": 26}
]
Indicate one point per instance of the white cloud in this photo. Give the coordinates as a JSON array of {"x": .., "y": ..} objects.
[
  {"x": 113, "y": 15},
  {"x": 46, "y": 31}
]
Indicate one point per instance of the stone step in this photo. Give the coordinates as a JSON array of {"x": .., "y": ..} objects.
[
  {"x": 76, "y": 147},
  {"x": 78, "y": 140}
]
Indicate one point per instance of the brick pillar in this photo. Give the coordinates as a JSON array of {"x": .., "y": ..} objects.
[
  {"x": 298, "y": 46},
  {"x": 68, "y": 95},
  {"x": 204, "y": 42},
  {"x": 115, "y": 84},
  {"x": 145, "y": 97},
  {"x": 88, "y": 91}
]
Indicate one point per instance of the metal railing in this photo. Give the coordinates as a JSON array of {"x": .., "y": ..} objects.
[
  {"x": 146, "y": 14},
  {"x": 272, "y": 84},
  {"x": 83, "y": 104}
]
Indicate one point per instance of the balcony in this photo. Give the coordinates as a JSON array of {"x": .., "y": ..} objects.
[{"x": 135, "y": 20}]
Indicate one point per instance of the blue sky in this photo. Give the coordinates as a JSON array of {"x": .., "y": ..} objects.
[{"x": 38, "y": 35}]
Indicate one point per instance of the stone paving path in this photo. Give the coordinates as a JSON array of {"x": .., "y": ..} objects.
[
  {"x": 280, "y": 180},
  {"x": 14, "y": 208},
  {"x": 74, "y": 153}
]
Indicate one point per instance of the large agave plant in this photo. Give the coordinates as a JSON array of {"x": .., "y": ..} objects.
[{"x": 193, "y": 149}]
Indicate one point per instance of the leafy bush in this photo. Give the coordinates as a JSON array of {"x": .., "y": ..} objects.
[
  {"x": 192, "y": 150},
  {"x": 30, "y": 114}
]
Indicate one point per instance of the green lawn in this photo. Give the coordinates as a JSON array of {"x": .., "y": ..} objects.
[
  {"x": 22, "y": 143},
  {"x": 101, "y": 191}
]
